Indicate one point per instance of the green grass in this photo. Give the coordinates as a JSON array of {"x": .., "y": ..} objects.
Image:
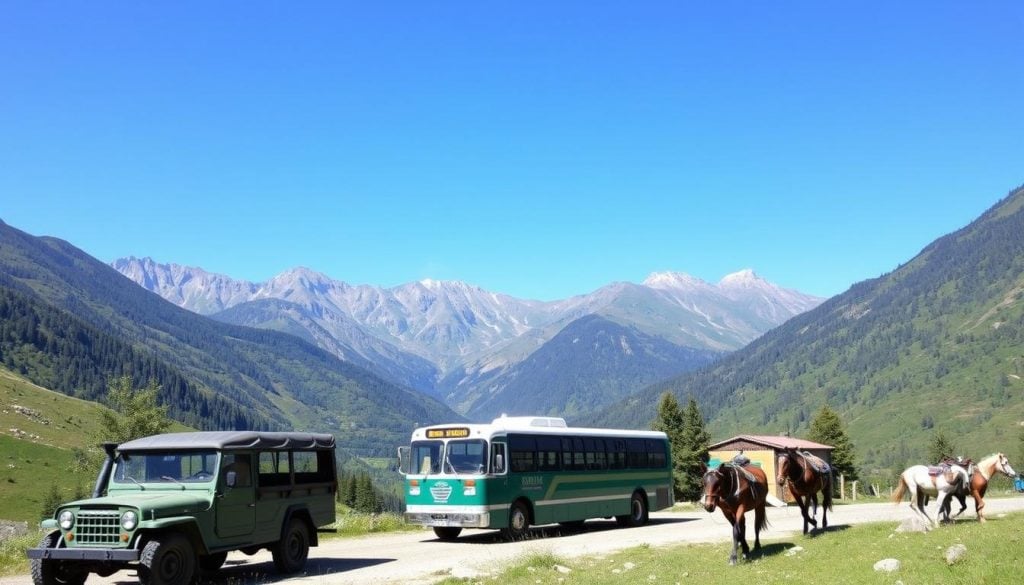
[
  {"x": 994, "y": 555},
  {"x": 12, "y": 553},
  {"x": 350, "y": 524}
]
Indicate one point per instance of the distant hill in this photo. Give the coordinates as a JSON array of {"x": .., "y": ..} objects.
[
  {"x": 276, "y": 380},
  {"x": 452, "y": 339},
  {"x": 937, "y": 344},
  {"x": 590, "y": 363}
]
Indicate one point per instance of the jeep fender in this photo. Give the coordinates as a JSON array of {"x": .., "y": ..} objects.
[
  {"x": 183, "y": 524},
  {"x": 301, "y": 511}
]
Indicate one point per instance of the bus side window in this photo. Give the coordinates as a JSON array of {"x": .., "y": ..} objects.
[
  {"x": 566, "y": 453},
  {"x": 637, "y": 454},
  {"x": 655, "y": 454},
  {"x": 524, "y": 453},
  {"x": 600, "y": 457},
  {"x": 579, "y": 454},
  {"x": 547, "y": 453}
]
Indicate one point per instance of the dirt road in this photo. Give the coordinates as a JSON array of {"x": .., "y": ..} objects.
[{"x": 417, "y": 557}]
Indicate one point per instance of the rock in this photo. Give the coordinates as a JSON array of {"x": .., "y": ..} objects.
[
  {"x": 914, "y": 524},
  {"x": 562, "y": 569},
  {"x": 466, "y": 573},
  {"x": 888, "y": 565},
  {"x": 9, "y": 529},
  {"x": 629, "y": 566},
  {"x": 955, "y": 554},
  {"x": 794, "y": 550}
]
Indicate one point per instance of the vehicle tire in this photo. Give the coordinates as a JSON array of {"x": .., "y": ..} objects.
[
  {"x": 291, "y": 551},
  {"x": 54, "y": 572},
  {"x": 168, "y": 559},
  {"x": 518, "y": 522},
  {"x": 637, "y": 512},
  {"x": 447, "y": 532},
  {"x": 212, "y": 562}
]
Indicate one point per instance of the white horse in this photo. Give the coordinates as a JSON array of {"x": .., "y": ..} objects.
[{"x": 922, "y": 485}]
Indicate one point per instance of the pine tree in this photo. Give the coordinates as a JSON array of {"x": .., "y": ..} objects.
[
  {"x": 670, "y": 422},
  {"x": 351, "y": 487},
  {"x": 827, "y": 429},
  {"x": 693, "y": 453},
  {"x": 52, "y": 499},
  {"x": 940, "y": 447},
  {"x": 135, "y": 413},
  {"x": 366, "y": 500}
]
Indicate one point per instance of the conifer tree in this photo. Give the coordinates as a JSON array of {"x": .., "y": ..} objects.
[
  {"x": 366, "y": 500},
  {"x": 135, "y": 413},
  {"x": 52, "y": 499},
  {"x": 670, "y": 422},
  {"x": 693, "y": 451},
  {"x": 827, "y": 429},
  {"x": 939, "y": 447},
  {"x": 351, "y": 487}
]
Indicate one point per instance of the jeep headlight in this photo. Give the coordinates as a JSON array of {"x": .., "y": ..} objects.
[
  {"x": 66, "y": 520},
  {"x": 129, "y": 520}
]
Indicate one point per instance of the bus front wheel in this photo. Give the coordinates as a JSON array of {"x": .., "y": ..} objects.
[
  {"x": 518, "y": 522},
  {"x": 447, "y": 532},
  {"x": 637, "y": 512}
]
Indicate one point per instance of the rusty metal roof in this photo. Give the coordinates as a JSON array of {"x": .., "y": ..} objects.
[{"x": 774, "y": 441}]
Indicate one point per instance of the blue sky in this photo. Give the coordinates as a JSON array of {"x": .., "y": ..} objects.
[{"x": 537, "y": 149}]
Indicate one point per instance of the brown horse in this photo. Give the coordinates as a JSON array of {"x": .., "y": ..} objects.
[
  {"x": 983, "y": 471},
  {"x": 805, "y": 477},
  {"x": 736, "y": 489}
]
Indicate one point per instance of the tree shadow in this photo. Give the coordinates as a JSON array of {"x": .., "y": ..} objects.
[{"x": 557, "y": 531}]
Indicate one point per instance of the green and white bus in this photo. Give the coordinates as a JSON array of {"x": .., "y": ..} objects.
[{"x": 523, "y": 471}]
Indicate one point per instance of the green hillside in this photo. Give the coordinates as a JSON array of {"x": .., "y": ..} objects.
[
  {"x": 39, "y": 432},
  {"x": 271, "y": 379},
  {"x": 935, "y": 345}
]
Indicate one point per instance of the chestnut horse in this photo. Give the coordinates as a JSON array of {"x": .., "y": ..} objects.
[
  {"x": 805, "y": 478},
  {"x": 922, "y": 484},
  {"x": 736, "y": 489},
  {"x": 983, "y": 471}
]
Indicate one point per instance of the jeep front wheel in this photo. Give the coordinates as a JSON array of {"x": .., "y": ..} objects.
[
  {"x": 53, "y": 572},
  {"x": 167, "y": 559},
  {"x": 291, "y": 551}
]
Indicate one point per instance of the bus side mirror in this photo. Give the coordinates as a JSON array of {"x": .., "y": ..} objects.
[
  {"x": 403, "y": 460},
  {"x": 499, "y": 464}
]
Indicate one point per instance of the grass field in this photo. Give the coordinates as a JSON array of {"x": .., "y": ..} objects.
[{"x": 994, "y": 555}]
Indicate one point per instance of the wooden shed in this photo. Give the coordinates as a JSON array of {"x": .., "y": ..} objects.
[{"x": 763, "y": 451}]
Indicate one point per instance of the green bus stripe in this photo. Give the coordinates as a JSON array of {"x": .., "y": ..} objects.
[{"x": 601, "y": 479}]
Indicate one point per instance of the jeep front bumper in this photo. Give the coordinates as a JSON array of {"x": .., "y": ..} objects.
[{"x": 85, "y": 554}]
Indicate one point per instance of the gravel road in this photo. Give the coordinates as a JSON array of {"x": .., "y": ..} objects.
[{"x": 417, "y": 557}]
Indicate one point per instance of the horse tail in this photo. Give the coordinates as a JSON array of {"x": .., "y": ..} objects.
[
  {"x": 897, "y": 496},
  {"x": 827, "y": 495},
  {"x": 760, "y": 517}
]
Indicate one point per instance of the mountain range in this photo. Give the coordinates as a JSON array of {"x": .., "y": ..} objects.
[
  {"x": 936, "y": 345},
  {"x": 475, "y": 349}
]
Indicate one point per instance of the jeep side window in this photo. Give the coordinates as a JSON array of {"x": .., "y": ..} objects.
[
  {"x": 274, "y": 468},
  {"x": 239, "y": 463}
]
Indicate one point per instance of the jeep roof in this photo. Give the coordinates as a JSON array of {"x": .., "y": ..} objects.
[{"x": 227, "y": 440}]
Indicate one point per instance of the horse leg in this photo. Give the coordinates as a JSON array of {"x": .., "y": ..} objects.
[
  {"x": 922, "y": 501},
  {"x": 803, "y": 507},
  {"x": 741, "y": 528},
  {"x": 979, "y": 503},
  {"x": 824, "y": 512},
  {"x": 759, "y": 521},
  {"x": 812, "y": 504},
  {"x": 732, "y": 522}
]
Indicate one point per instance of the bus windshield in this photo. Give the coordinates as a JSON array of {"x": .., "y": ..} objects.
[
  {"x": 425, "y": 457},
  {"x": 466, "y": 457}
]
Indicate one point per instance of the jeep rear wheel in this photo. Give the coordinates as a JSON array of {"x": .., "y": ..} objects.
[
  {"x": 291, "y": 551},
  {"x": 167, "y": 559},
  {"x": 54, "y": 572}
]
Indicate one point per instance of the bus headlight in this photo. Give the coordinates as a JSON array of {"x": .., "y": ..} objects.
[
  {"x": 66, "y": 520},
  {"x": 129, "y": 520}
]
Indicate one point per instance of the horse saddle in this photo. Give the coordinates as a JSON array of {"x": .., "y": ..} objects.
[
  {"x": 946, "y": 471},
  {"x": 817, "y": 463}
]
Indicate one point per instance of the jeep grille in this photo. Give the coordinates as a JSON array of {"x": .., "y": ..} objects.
[{"x": 97, "y": 527}]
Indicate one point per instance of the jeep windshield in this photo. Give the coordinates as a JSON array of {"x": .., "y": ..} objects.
[
  {"x": 165, "y": 467},
  {"x": 466, "y": 456}
]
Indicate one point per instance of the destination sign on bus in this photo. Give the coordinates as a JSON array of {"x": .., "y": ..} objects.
[{"x": 449, "y": 433}]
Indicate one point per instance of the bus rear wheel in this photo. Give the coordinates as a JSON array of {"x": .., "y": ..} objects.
[
  {"x": 637, "y": 512},
  {"x": 447, "y": 532},
  {"x": 518, "y": 522}
]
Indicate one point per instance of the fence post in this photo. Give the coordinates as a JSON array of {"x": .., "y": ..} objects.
[{"x": 842, "y": 486}]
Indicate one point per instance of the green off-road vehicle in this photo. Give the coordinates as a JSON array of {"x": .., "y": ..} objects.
[{"x": 170, "y": 505}]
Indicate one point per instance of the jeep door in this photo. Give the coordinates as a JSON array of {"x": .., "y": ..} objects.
[{"x": 236, "y": 504}]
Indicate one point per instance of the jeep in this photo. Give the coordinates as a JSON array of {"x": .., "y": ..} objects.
[{"x": 173, "y": 504}]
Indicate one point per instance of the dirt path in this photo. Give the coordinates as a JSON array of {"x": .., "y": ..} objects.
[{"x": 417, "y": 557}]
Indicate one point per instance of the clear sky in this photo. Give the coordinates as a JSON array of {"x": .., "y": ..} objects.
[{"x": 541, "y": 149}]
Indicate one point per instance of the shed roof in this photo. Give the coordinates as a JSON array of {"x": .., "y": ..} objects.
[
  {"x": 231, "y": 440},
  {"x": 774, "y": 441}
]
